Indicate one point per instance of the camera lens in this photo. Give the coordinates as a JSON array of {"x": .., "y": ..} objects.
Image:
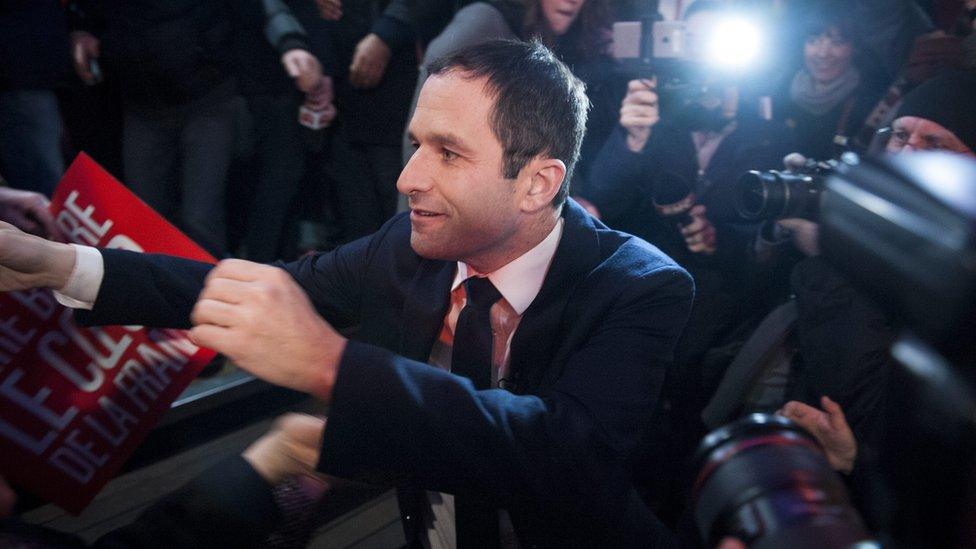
[
  {"x": 757, "y": 193},
  {"x": 777, "y": 195},
  {"x": 765, "y": 481}
]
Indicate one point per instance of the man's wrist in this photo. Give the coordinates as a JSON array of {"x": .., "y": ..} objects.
[
  {"x": 61, "y": 263},
  {"x": 329, "y": 371}
]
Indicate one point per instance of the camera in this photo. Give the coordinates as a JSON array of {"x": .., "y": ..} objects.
[
  {"x": 650, "y": 47},
  {"x": 777, "y": 194},
  {"x": 902, "y": 230},
  {"x": 765, "y": 481},
  {"x": 686, "y": 60}
]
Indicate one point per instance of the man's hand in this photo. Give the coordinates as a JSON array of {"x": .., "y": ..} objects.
[
  {"x": 259, "y": 317},
  {"x": 639, "y": 112},
  {"x": 805, "y": 234},
  {"x": 84, "y": 49},
  {"x": 303, "y": 67},
  {"x": 829, "y": 427},
  {"x": 28, "y": 211},
  {"x": 700, "y": 233},
  {"x": 28, "y": 261},
  {"x": 369, "y": 62},
  {"x": 290, "y": 448},
  {"x": 330, "y": 9}
]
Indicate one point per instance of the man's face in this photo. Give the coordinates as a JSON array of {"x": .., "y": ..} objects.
[
  {"x": 911, "y": 133},
  {"x": 461, "y": 206},
  {"x": 827, "y": 56}
]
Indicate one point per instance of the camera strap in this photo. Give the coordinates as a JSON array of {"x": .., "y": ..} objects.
[
  {"x": 840, "y": 133},
  {"x": 749, "y": 363}
]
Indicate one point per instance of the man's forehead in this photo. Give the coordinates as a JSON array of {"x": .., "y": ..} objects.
[
  {"x": 456, "y": 83},
  {"x": 452, "y": 103},
  {"x": 923, "y": 125}
]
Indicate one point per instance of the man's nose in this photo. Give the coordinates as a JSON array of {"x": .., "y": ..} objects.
[{"x": 414, "y": 177}]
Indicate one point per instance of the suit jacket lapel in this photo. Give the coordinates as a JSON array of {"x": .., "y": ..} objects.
[
  {"x": 539, "y": 332},
  {"x": 426, "y": 302}
]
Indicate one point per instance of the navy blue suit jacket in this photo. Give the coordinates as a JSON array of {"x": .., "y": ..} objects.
[{"x": 587, "y": 363}]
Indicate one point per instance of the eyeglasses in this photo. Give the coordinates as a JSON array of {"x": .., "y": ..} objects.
[{"x": 896, "y": 138}]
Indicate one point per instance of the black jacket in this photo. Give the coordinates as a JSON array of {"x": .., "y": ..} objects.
[{"x": 843, "y": 342}]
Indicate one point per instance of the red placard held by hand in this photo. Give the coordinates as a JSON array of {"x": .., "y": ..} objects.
[{"x": 75, "y": 402}]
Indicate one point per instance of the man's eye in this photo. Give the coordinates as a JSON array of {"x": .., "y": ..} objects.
[
  {"x": 414, "y": 145},
  {"x": 447, "y": 154},
  {"x": 901, "y": 136}
]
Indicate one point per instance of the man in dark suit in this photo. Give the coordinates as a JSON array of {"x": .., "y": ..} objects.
[{"x": 584, "y": 319}]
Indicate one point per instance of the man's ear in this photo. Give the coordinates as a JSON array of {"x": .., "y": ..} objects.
[{"x": 545, "y": 178}]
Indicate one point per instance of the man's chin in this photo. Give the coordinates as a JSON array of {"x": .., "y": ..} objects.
[{"x": 424, "y": 247}]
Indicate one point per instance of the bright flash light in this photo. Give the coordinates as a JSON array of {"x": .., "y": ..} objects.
[{"x": 734, "y": 44}]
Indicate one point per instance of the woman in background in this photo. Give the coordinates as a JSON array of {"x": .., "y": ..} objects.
[{"x": 827, "y": 100}]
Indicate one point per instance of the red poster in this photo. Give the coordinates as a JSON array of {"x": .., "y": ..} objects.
[{"x": 75, "y": 402}]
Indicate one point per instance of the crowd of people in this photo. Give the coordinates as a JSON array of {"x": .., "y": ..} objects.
[{"x": 607, "y": 359}]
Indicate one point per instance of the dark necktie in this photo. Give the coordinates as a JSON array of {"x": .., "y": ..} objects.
[
  {"x": 476, "y": 523},
  {"x": 471, "y": 356}
]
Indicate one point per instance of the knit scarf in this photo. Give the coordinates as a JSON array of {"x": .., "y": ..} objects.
[{"x": 819, "y": 100}]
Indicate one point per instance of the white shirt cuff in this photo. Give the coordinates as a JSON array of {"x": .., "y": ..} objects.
[{"x": 85, "y": 279}]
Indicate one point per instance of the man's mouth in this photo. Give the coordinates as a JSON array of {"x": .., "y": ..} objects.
[{"x": 423, "y": 213}]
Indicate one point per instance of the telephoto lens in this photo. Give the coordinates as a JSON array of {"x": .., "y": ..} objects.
[
  {"x": 777, "y": 195},
  {"x": 765, "y": 481}
]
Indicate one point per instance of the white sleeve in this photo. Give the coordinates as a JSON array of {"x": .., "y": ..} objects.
[{"x": 86, "y": 278}]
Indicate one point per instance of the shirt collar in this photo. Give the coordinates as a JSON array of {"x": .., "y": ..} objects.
[{"x": 521, "y": 279}]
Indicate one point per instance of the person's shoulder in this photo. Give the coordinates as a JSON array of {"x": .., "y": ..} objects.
[
  {"x": 626, "y": 256},
  {"x": 394, "y": 235},
  {"x": 636, "y": 257},
  {"x": 635, "y": 271}
]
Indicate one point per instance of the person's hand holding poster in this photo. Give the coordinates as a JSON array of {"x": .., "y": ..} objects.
[{"x": 75, "y": 402}]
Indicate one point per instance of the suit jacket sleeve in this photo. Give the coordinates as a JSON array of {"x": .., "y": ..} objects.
[
  {"x": 392, "y": 417},
  {"x": 160, "y": 290}
]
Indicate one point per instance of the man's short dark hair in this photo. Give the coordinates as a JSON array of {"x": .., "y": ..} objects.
[{"x": 540, "y": 107}]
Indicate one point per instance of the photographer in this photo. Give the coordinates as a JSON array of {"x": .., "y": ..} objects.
[
  {"x": 668, "y": 176},
  {"x": 828, "y": 99},
  {"x": 843, "y": 338},
  {"x": 938, "y": 115}
]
